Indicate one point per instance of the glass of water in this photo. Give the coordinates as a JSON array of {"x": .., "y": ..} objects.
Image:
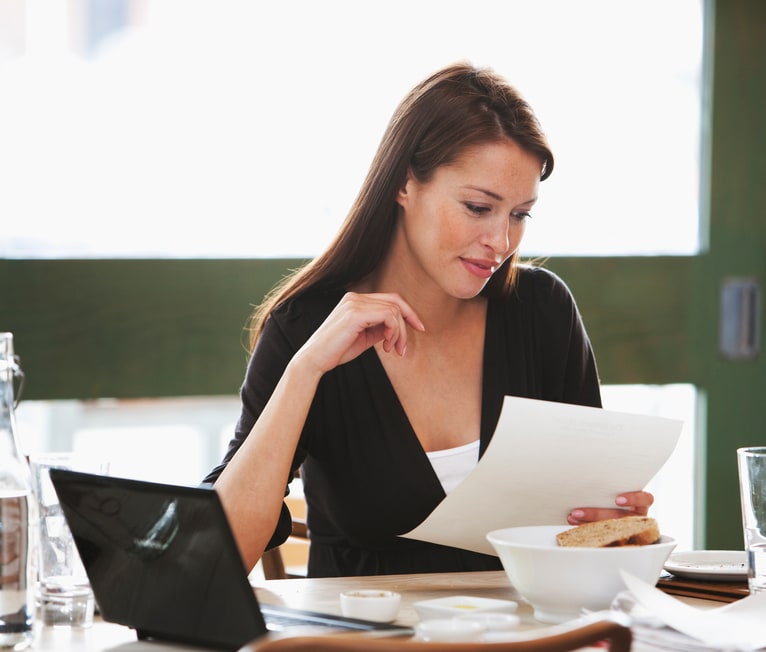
[
  {"x": 64, "y": 597},
  {"x": 752, "y": 488}
]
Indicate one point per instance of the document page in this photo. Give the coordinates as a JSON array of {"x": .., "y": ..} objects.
[
  {"x": 735, "y": 626},
  {"x": 544, "y": 460}
]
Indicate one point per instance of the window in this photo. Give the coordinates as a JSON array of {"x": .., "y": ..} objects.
[{"x": 209, "y": 128}]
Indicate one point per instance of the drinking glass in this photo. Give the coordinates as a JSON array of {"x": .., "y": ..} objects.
[
  {"x": 752, "y": 489},
  {"x": 64, "y": 596}
]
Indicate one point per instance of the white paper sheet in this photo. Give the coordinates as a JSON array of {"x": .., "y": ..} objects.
[
  {"x": 544, "y": 460},
  {"x": 736, "y": 626}
]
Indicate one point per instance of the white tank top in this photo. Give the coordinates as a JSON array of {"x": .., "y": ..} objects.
[{"x": 452, "y": 465}]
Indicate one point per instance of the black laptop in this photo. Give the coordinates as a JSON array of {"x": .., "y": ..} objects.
[{"x": 162, "y": 560}]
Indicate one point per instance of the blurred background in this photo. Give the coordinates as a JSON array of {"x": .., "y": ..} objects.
[{"x": 164, "y": 162}]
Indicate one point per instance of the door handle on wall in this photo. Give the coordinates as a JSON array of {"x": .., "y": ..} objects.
[{"x": 740, "y": 318}]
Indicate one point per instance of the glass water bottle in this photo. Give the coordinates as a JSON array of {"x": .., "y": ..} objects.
[{"x": 17, "y": 511}]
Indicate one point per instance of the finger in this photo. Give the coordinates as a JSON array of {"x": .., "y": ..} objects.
[
  {"x": 411, "y": 317},
  {"x": 583, "y": 515},
  {"x": 390, "y": 338},
  {"x": 635, "y": 500},
  {"x": 394, "y": 331},
  {"x": 398, "y": 315},
  {"x": 407, "y": 312}
]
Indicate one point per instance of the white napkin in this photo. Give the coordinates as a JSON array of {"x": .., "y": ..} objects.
[{"x": 736, "y": 626}]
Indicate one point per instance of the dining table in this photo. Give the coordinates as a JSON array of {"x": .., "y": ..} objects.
[{"x": 322, "y": 594}]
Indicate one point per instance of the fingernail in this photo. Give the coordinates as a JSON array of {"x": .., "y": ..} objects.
[
  {"x": 578, "y": 513},
  {"x": 621, "y": 500}
]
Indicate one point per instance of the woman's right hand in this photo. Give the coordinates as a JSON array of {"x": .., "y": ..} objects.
[{"x": 358, "y": 322}]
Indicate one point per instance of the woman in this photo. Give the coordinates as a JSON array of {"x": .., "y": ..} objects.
[{"x": 381, "y": 367}]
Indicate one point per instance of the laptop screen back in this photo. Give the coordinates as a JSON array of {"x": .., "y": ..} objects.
[{"x": 160, "y": 559}]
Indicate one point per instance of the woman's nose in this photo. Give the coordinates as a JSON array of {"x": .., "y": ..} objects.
[{"x": 496, "y": 235}]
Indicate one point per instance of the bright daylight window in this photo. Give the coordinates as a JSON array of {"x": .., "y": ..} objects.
[{"x": 232, "y": 128}]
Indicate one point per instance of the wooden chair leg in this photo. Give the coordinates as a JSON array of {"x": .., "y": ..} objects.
[
  {"x": 273, "y": 565},
  {"x": 272, "y": 561}
]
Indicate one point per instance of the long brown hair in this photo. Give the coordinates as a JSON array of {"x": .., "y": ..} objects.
[{"x": 455, "y": 108}]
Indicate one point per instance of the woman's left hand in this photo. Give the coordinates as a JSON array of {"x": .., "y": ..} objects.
[{"x": 631, "y": 503}]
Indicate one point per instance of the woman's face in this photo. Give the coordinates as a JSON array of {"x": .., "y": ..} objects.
[{"x": 462, "y": 224}]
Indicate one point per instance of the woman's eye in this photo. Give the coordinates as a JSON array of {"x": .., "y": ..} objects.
[
  {"x": 520, "y": 216},
  {"x": 476, "y": 209}
]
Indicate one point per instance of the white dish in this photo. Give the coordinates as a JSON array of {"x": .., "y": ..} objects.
[
  {"x": 710, "y": 565},
  {"x": 457, "y": 605},
  {"x": 449, "y": 630},
  {"x": 493, "y": 621},
  {"x": 370, "y": 604}
]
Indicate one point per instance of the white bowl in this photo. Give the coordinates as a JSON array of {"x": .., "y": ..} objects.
[
  {"x": 458, "y": 605},
  {"x": 370, "y": 604},
  {"x": 559, "y": 582}
]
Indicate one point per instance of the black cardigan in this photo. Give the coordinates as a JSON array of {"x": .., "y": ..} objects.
[{"x": 366, "y": 477}]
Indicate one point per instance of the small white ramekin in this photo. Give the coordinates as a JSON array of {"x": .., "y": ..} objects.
[{"x": 370, "y": 604}]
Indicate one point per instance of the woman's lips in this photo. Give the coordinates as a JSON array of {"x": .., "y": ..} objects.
[{"x": 479, "y": 267}]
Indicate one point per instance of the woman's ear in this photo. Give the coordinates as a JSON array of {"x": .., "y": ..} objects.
[{"x": 401, "y": 196}]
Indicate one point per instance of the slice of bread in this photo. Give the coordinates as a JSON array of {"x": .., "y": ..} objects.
[{"x": 626, "y": 531}]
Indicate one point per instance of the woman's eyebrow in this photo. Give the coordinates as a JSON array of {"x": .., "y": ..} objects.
[
  {"x": 489, "y": 193},
  {"x": 497, "y": 197}
]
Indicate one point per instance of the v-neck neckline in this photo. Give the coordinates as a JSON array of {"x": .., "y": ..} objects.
[{"x": 488, "y": 363}]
